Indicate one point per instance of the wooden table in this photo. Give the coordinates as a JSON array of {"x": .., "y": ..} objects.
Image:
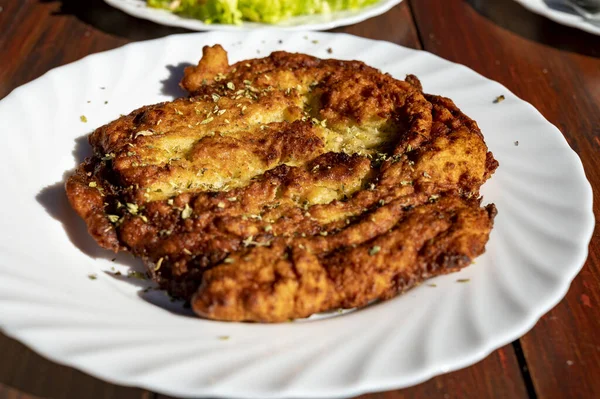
[{"x": 555, "y": 68}]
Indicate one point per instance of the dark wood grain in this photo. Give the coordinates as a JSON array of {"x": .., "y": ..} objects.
[
  {"x": 7, "y": 392},
  {"x": 38, "y": 35},
  {"x": 33, "y": 376},
  {"x": 554, "y": 67},
  {"x": 557, "y": 69},
  {"x": 396, "y": 26}
]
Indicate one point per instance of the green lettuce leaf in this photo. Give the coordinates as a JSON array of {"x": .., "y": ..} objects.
[{"x": 268, "y": 11}]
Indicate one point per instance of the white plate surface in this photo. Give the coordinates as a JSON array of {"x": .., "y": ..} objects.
[
  {"x": 138, "y": 8},
  {"x": 109, "y": 328},
  {"x": 558, "y": 12}
]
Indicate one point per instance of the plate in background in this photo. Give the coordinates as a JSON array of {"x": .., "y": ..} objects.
[{"x": 139, "y": 9}]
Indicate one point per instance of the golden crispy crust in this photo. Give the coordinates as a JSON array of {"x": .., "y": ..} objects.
[
  {"x": 288, "y": 185},
  {"x": 393, "y": 249}
]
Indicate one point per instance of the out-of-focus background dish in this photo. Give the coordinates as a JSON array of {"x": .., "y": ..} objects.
[
  {"x": 322, "y": 21},
  {"x": 560, "y": 11}
]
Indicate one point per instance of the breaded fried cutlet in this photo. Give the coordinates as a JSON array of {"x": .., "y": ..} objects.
[{"x": 289, "y": 185}]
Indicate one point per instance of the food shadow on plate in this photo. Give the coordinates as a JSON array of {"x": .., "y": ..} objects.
[
  {"x": 55, "y": 202},
  {"x": 113, "y": 21},
  {"x": 149, "y": 291},
  {"x": 170, "y": 86},
  {"x": 514, "y": 17},
  {"x": 161, "y": 299}
]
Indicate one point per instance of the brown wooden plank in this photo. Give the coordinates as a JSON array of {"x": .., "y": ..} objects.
[
  {"x": 396, "y": 26},
  {"x": 7, "y": 392},
  {"x": 40, "y": 35},
  {"x": 556, "y": 69},
  {"x": 24, "y": 371}
]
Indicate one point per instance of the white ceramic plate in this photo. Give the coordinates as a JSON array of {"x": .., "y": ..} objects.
[
  {"x": 110, "y": 328},
  {"x": 138, "y": 8},
  {"x": 557, "y": 11}
]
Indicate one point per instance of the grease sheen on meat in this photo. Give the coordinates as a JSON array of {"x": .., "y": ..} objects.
[{"x": 289, "y": 185}]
